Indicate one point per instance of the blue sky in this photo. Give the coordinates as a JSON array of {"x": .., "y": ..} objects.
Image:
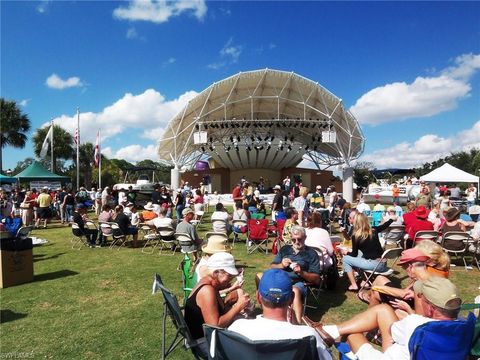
[{"x": 409, "y": 71}]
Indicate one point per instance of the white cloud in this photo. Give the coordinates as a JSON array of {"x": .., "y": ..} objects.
[
  {"x": 231, "y": 51},
  {"x": 132, "y": 33},
  {"x": 425, "y": 96},
  {"x": 133, "y": 153},
  {"x": 42, "y": 7},
  {"x": 148, "y": 111},
  {"x": 24, "y": 102},
  {"x": 160, "y": 11},
  {"x": 55, "y": 82},
  {"x": 170, "y": 61},
  {"x": 427, "y": 148}
]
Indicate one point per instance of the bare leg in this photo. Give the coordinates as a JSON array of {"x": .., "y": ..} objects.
[
  {"x": 297, "y": 304},
  {"x": 351, "y": 278},
  {"x": 356, "y": 341}
]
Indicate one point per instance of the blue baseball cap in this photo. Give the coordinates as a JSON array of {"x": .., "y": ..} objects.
[{"x": 275, "y": 286}]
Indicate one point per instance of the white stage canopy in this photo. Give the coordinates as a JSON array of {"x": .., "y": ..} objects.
[{"x": 449, "y": 173}]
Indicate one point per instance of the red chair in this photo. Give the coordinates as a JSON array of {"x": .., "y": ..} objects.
[{"x": 257, "y": 235}]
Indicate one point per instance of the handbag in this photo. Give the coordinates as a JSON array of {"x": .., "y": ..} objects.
[{"x": 24, "y": 205}]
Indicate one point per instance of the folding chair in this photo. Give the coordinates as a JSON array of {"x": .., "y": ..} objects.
[
  {"x": 229, "y": 345},
  {"x": 118, "y": 236},
  {"x": 237, "y": 226},
  {"x": 426, "y": 235},
  {"x": 394, "y": 235},
  {"x": 376, "y": 217},
  {"x": 474, "y": 249},
  {"x": 166, "y": 236},
  {"x": 257, "y": 235},
  {"x": 149, "y": 236},
  {"x": 173, "y": 310},
  {"x": 105, "y": 231},
  {"x": 79, "y": 238},
  {"x": 24, "y": 232},
  {"x": 184, "y": 241},
  {"x": 198, "y": 218},
  {"x": 443, "y": 340},
  {"x": 455, "y": 242},
  {"x": 369, "y": 275}
]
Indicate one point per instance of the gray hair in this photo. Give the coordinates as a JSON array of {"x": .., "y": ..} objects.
[{"x": 299, "y": 229}]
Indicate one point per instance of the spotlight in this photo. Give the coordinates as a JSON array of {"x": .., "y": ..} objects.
[
  {"x": 197, "y": 127},
  {"x": 289, "y": 148},
  {"x": 238, "y": 137},
  {"x": 212, "y": 147},
  {"x": 211, "y": 139},
  {"x": 236, "y": 148},
  {"x": 291, "y": 138},
  {"x": 203, "y": 148},
  {"x": 231, "y": 138}
]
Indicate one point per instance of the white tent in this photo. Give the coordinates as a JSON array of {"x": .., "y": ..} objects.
[{"x": 449, "y": 173}]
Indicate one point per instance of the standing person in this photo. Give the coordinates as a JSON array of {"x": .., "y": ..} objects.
[
  {"x": 27, "y": 208},
  {"x": 286, "y": 184},
  {"x": 185, "y": 227},
  {"x": 44, "y": 212},
  {"x": 179, "y": 204},
  {"x": 300, "y": 204},
  {"x": 69, "y": 204},
  {"x": 107, "y": 196},
  {"x": 98, "y": 201},
  {"x": 61, "y": 198},
  {"x": 395, "y": 194},
  {"x": 277, "y": 203},
  {"x": 198, "y": 201},
  {"x": 131, "y": 195},
  {"x": 366, "y": 249},
  {"x": 79, "y": 217},
  {"x": 122, "y": 197},
  {"x": 455, "y": 192},
  {"x": 275, "y": 295},
  {"x": 471, "y": 193}
]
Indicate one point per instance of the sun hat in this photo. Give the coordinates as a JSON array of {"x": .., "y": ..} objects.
[
  {"x": 421, "y": 212},
  {"x": 277, "y": 187},
  {"x": 411, "y": 255},
  {"x": 451, "y": 214},
  {"x": 149, "y": 206},
  {"x": 222, "y": 261},
  {"x": 216, "y": 244},
  {"x": 440, "y": 292},
  {"x": 187, "y": 211},
  {"x": 275, "y": 286}
]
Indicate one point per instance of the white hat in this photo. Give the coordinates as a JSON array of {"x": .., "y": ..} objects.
[
  {"x": 277, "y": 187},
  {"x": 222, "y": 261},
  {"x": 149, "y": 206}
]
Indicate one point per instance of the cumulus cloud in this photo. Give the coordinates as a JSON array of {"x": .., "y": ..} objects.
[
  {"x": 56, "y": 82},
  {"x": 149, "y": 111},
  {"x": 229, "y": 53},
  {"x": 425, "y": 96},
  {"x": 427, "y": 148},
  {"x": 160, "y": 11},
  {"x": 133, "y": 153}
]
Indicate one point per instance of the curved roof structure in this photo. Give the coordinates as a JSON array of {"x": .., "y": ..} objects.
[{"x": 263, "y": 119}]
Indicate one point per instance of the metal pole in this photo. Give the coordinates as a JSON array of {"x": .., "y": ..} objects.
[
  {"x": 78, "y": 145},
  {"x": 51, "y": 149},
  {"x": 99, "y": 160}
]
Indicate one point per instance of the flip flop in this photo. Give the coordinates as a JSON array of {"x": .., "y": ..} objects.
[
  {"x": 350, "y": 288},
  {"x": 364, "y": 296}
]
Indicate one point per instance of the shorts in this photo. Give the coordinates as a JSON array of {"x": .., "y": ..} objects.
[
  {"x": 368, "y": 352},
  {"x": 44, "y": 213},
  {"x": 301, "y": 285},
  {"x": 132, "y": 231}
]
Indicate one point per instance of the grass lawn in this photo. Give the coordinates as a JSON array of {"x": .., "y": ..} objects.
[{"x": 97, "y": 303}]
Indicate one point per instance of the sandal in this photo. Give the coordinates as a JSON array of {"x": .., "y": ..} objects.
[
  {"x": 353, "y": 289},
  {"x": 327, "y": 339},
  {"x": 364, "y": 296}
]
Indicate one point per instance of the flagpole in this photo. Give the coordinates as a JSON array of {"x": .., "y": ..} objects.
[
  {"x": 78, "y": 153},
  {"x": 51, "y": 149},
  {"x": 99, "y": 160}
]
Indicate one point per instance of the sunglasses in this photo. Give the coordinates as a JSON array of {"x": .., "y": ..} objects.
[{"x": 297, "y": 240}]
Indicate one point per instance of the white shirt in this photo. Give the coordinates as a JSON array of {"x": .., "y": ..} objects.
[
  {"x": 161, "y": 222},
  {"x": 319, "y": 238},
  {"x": 261, "y": 328},
  {"x": 362, "y": 207},
  {"x": 222, "y": 225}
]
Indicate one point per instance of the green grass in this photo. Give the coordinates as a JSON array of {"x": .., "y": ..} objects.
[{"x": 97, "y": 303}]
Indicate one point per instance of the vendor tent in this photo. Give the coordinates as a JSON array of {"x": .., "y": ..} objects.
[
  {"x": 449, "y": 173},
  {"x": 7, "y": 179},
  {"x": 36, "y": 171}
]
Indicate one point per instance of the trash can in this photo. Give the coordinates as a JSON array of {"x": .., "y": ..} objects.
[{"x": 16, "y": 261}]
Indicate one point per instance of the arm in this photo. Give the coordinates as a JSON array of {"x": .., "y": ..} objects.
[
  {"x": 383, "y": 226},
  {"x": 310, "y": 277},
  {"x": 354, "y": 251}
]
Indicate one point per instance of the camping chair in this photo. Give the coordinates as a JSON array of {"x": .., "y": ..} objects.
[
  {"x": 455, "y": 242},
  {"x": 79, "y": 238},
  {"x": 257, "y": 235},
  {"x": 376, "y": 218},
  {"x": 24, "y": 232},
  {"x": 237, "y": 226},
  {"x": 280, "y": 227},
  {"x": 394, "y": 235},
  {"x": 370, "y": 275},
  {"x": 166, "y": 235},
  {"x": 475, "y": 348},
  {"x": 118, "y": 236},
  {"x": 426, "y": 235},
  {"x": 229, "y": 345},
  {"x": 149, "y": 236},
  {"x": 442, "y": 340},
  {"x": 189, "y": 276},
  {"x": 184, "y": 241},
  {"x": 173, "y": 310},
  {"x": 198, "y": 218}
]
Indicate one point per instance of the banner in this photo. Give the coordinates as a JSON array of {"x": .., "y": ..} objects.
[
  {"x": 44, "y": 149},
  {"x": 96, "y": 155},
  {"x": 53, "y": 185}
]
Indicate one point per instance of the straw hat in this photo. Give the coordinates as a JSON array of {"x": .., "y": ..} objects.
[
  {"x": 149, "y": 206},
  {"x": 216, "y": 244},
  {"x": 452, "y": 214}
]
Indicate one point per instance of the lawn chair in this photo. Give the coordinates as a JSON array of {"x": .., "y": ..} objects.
[
  {"x": 376, "y": 218},
  {"x": 394, "y": 235},
  {"x": 257, "y": 235},
  {"x": 238, "y": 226},
  {"x": 280, "y": 227},
  {"x": 173, "y": 310},
  {"x": 198, "y": 218},
  {"x": 426, "y": 235},
  {"x": 442, "y": 340},
  {"x": 79, "y": 238},
  {"x": 189, "y": 276},
  {"x": 455, "y": 242},
  {"x": 370, "y": 275},
  {"x": 229, "y": 345},
  {"x": 166, "y": 235},
  {"x": 149, "y": 236},
  {"x": 474, "y": 249},
  {"x": 24, "y": 232}
]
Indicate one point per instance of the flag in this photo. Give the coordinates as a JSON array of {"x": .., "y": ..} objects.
[
  {"x": 96, "y": 156},
  {"x": 44, "y": 149},
  {"x": 75, "y": 137}
]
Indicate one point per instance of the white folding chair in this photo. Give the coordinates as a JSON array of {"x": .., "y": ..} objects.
[
  {"x": 118, "y": 236},
  {"x": 394, "y": 235},
  {"x": 198, "y": 218},
  {"x": 426, "y": 235},
  {"x": 185, "y": 242},
  {"x": 149, "y": 235},
  {"x": 78, "y": 238},
  {"x": 166, "y": 235}
]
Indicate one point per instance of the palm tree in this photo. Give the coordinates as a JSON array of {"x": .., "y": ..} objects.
[
  {"x": 62, "y": 144},
  {"x": 13, "y": 126}
]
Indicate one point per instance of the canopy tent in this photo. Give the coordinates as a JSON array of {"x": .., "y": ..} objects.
[
  {"x": 7, "y": 179},
  {"x": 263, "y": 119},
  {"x": 449, "y": 173},
  {"x": 36, "y": 171}
]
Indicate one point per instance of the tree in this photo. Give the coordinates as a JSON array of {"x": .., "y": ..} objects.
[
  {"x": 22, "y": 165},
  {"x": 13, "y": 126},
  {"x": 62, "y": 144},
  {"x": 362, "y": 175}
]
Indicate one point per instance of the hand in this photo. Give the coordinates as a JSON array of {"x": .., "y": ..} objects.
[
  {"x": 242, "y": 301},
  {"x": 296, "y": 268},
  {"x": 402, "y": 305},
  {"x": 409, "y": 294},
  {"x": 286, "y": 262}
]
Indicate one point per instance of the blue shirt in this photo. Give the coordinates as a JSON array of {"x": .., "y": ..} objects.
[{"x": 307, "y": 259}]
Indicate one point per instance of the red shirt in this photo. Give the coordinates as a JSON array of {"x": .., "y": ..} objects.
[
  {"x": 237, "y": 192},
  {"x": 419, "y": 225},
  {"x": 408, "y": 219}
]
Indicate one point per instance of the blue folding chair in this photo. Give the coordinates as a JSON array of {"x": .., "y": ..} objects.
[{"x": 376, "y": 217}]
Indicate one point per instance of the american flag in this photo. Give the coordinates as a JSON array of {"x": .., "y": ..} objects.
[
  {"x": 75, "y": 137},
  {"x": 96, "y": 156}
]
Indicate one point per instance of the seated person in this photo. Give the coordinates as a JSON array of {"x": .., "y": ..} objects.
[
  {"x": 378, "y": 206},
  {"x": 362, "y": 207},
  {"x": 124, "y": 224},
  {"x": 275, "y": 295},
  {"x": 318, "y": 238},
  {"x": 205, "y": 306},
  {"x": 419, "y": 224},
  {"x": 221, "y": 220},
  {"x": 106, "y": 214},
  {"x": 392, "y": 214},
  {"x": 79, "y": 217},
  {"x": 301, "y": 264},
  {"x": 240, "y": 214},
  {"x": 148, "y": 213},
  {"x": 440, "y": 301},
  {"x": 162, "y": 220},
  {"x": 185, "y": 227},
  {"x": 292, "y": 217},
  {"x": 131, "y": 211}
]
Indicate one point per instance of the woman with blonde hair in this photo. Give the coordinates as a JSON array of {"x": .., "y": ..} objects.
[{"x": 366, "y": 249}]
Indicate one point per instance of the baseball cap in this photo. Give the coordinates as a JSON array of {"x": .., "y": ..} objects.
[
  {"x": 411, "y": 255},
  {"x": 187, "y": 211},
  {"x": 275, "y": 286},
  {"x": 80, "y": 206},
  {"x": 440, "y": 292},
  {"x": 222, "y": 261},
  {"x": 319, "y": 187},
  {"x": 277, "y": 187}
]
